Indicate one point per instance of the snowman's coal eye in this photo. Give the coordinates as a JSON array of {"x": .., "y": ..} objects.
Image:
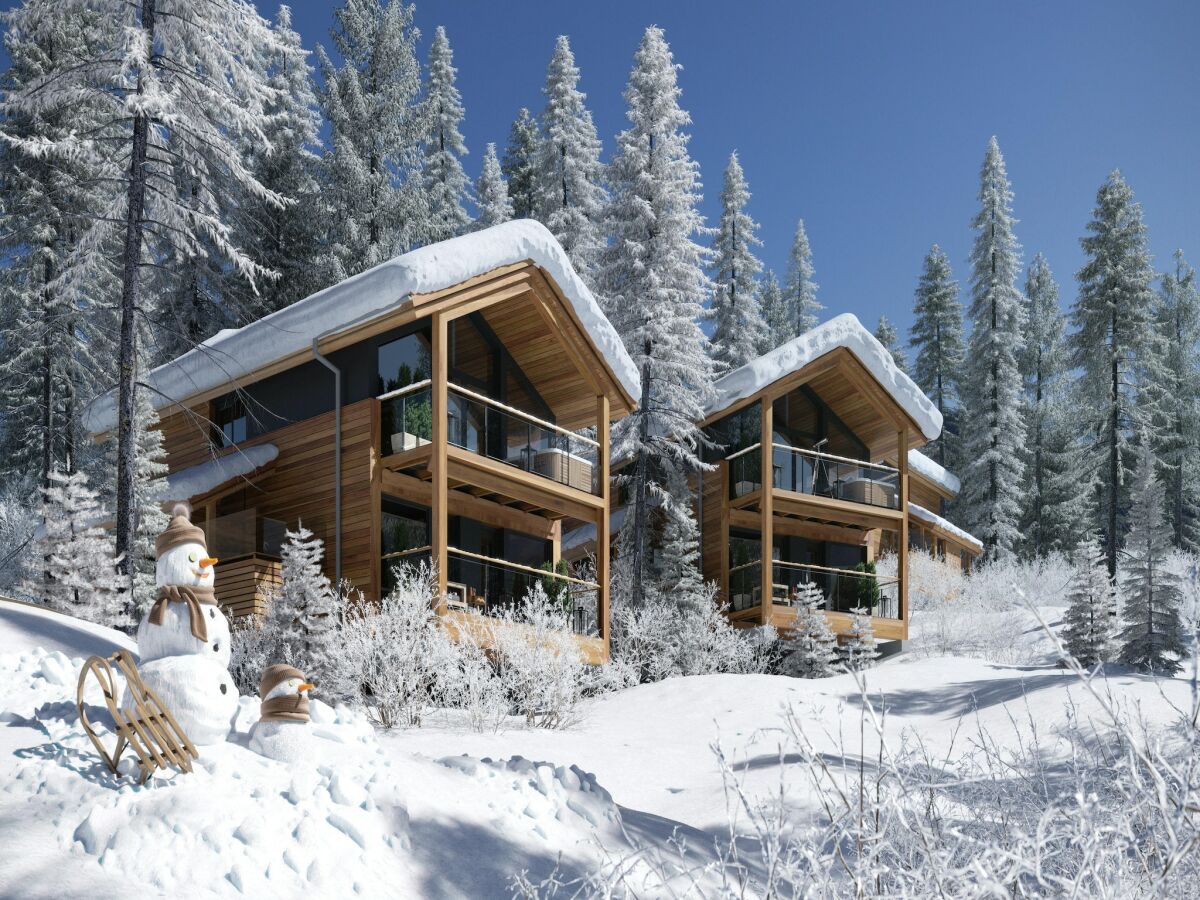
[
  {"x": 192, "y": 557},
  {"x": 223, "y": 688},
  {"x": 212, "y": 613},
  {"x": 216, "y": 647}
]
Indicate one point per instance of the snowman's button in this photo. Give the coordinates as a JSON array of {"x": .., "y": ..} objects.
[
  {"x": 223, "y": 688},
  {"x": 212, "y": 613},
  {"x": 216, "y": 647}
]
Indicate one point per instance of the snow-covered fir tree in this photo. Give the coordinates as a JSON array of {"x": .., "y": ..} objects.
[
  {"x": 654, "y": 284},
  {"x": 936, "y": 338},
  {"x": 288, "y": 239},
  {"x": 886, "y": 334},
  {"x": 491, "y": 192},
  {"x": 773, "y": 306},
  {"x": 861, "y": 648},
  {"x": 799, "y": 287},
  {"x": 1091, "y": 609},
  {"x": 1175, "y": 383},
  {"x": 520, "y": 165},
  {"x": 1055, "y": 499},
  {"x": 677, "y": 557},
  {"x": 79, "y": 574},
  {"x": 815, "y": 653},
  {"x": 446, "y": 184},
  {"x": 149, "y": 493},
  {"x": 739, "y": 329},
  {"x": 183, "y": 109},
  {"x": 1113, "y": 321},
  {"x": 570, "y": 177},
  {"x": 1152, "y": 639},
  {"x": 993, "y": 428},
  {"x": 371, "y": 171}
]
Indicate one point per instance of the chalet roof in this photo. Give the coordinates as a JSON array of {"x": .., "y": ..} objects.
[
  {"x": 840, "y": 331},
  {"x": 235, "y": 353},
  {"x": 200, "y": 479},
  {"x": 929, "y": 518},
  {"x": 922, "y": 465}
]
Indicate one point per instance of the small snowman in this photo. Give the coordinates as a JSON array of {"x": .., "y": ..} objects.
[
  {"x": 183, "y": 641},
  {"x": 282, "y": 731}
]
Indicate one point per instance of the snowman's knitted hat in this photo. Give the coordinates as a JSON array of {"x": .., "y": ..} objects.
[
  {"x": 180, "y": 531},
  {"x": 274, "y": 675}
]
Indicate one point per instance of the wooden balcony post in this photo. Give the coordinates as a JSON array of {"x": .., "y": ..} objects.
[
  {"x": 902, "y": 552},
  {"x": 766, "y": 477},
  {"x": 603, "y": 545},
  {"x": 439, "y": 506}
]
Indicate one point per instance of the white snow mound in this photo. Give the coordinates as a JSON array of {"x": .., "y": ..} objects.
[{"x": 234, "y": 353}]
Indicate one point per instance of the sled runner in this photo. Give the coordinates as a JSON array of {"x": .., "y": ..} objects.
[{"x": 148, "y": 728}]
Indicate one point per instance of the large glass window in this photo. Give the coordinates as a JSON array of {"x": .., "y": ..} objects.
[
  {"x": 229, "y": 420},
  {"x": 802, "y": 419},
  {"x": 403, "y": 362},
  {"x": 404, "y": 538}
]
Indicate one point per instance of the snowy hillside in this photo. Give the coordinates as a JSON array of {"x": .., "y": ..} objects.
[{"x": 427, "y": 813}]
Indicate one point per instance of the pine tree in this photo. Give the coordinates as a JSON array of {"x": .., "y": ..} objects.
[
  {"x": 886, "y": 334},
  {"x": 652, "y": 277},
  {"x": 491, "y": 192},
  {"x": 815, "y": 654},
  {"x": 861, "y": 648},
  {"x": 677, "y": 563},
  {"x": 446, "y": 184},
  {"x": 774, "y": 309},
  {"x": 1050, "y": 514},
  {"x": 1088, "y": 635},
  {"x": 371, "y": 171},
  {"x": 993, "y": 429},
  {"x": 739, "y": 327},
  {"x": 1152, "y": 639},
  {"x": 569, "y": 175},
  {"x": 149, "y": 493},
  {"x": 303, "y": 612},
  {"x": 520, "y": 165},
  {"x": 937, "y": 337},
  {"x": 288, "y": 239},
  {"x": 79, "y": 575},
  {"x": 799, "y": 287},
  {"x": 184, "y": 106},
  {"x": 1113, "y": 318},
  {"x": 1174, "y": 382}
]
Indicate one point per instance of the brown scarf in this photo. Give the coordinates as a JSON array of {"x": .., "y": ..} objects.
[
  {"x": 193, "y": 597},
  {"x": 292, "y": 708}
]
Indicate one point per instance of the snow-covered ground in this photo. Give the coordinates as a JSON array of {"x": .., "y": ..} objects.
[{"x": 441, "y": 811}]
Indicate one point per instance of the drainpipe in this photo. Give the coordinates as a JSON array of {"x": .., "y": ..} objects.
[{"x": 337, "y": 457}]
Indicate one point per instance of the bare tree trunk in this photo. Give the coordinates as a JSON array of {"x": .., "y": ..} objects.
[
  {"x": 641, "y": 476},
  {"x": 130, "y": 289},
  {"x": 1114, "y": 457}
]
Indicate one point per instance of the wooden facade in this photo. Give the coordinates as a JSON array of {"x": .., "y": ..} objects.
[
  {"x": 932, "y": 537},
  {"x": 559, "y": 395},
  {"x": 866, "y": 514}
]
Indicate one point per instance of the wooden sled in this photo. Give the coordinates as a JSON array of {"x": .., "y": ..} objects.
[{"x": 148, "y": 728}]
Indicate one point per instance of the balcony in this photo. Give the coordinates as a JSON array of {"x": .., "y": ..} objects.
[
  {"x": 843, "y": 589},
  {"x": 816, "y": 474},
  {"x": 487, "y": 586},
  {"x": 481, "y": 425}
]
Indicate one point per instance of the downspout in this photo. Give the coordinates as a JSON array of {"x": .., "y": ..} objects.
[{"x": 337, "y": 457}]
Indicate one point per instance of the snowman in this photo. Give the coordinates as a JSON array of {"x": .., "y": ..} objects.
[
  {"x": 183, "y": 641},
  {"x": 282, "y": 732}
]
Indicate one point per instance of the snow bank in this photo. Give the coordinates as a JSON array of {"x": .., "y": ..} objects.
[
  {"x": 234, "y": 353},
  {"x": 946, "y": 525},
  {"x": 931, "y": 471},
  {"x": 196, "y": 480},
  {"x": 840, "y": 331}
]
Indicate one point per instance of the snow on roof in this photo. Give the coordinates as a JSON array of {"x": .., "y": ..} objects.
[
  {"x": 235, "y": 353},
  {"x": 949, "y": 527},
  {"x": 840, "y": 331},
  {"x": 196, "y": 480},
  {"x": 931, "y": 471}
]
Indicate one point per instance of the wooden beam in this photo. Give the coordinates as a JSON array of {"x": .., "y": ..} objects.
[
  {"x": 439, "y": 538},
  {"x": 472, "y": 468},
  {"x": 902, "y": 552},
  {"x": 827, "y": 509},
  {"x": 767, "y": 513},
  {"x": 817, "y": 531},
  {"x": 460, "y": 503},
  {"x": 603, "y": 548}
]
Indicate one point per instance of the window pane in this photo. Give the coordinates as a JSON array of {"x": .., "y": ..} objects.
[{"x": 403, "y": 362}]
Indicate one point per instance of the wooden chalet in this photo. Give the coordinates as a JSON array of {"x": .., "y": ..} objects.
[
  {"x": 828, "y": 409},
  {"x": 931, "y": 488},
  {"x": 450, "y": 405}
]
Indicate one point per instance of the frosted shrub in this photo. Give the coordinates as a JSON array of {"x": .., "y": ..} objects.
[
  {"x": 541, "y": 669},
  {"x": 474, "y": 686},
  {"x": 861, "y": 648},
  {"x": 812, "y": 645},
  {"x": 398, "y": 653}
]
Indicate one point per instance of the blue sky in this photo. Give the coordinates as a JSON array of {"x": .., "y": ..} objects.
[{"x": 870, "y": 120}]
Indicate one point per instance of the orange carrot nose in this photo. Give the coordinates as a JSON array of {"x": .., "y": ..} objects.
[
  {"x": 208, "y": 561},
  {"x": 305, "y": 687}
]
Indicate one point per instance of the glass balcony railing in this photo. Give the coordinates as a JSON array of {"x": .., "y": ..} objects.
[
  {"x": 484, "y": 426},
  {"x": 843, "y": 589},
  {"x": 818, "y": 474},
  {"x": 243, "y": 533},
  {"x": 486, "y": 586}
]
